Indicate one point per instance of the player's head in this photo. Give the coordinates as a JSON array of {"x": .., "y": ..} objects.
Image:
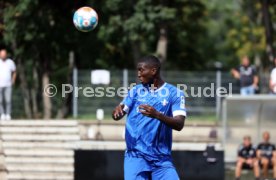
[
  {"x": 246, "y": 141},
  {"x": 3, "y": 54},
  {"x": 148, "y": 69},
  {"x": 266, "y": 136},
  {"x": 245, "y": 60}
]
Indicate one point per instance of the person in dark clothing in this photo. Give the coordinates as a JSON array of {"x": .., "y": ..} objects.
[
  {"x": 247, "y": 159},
  {"x": 267, "y": 155},
  {"x": 247, "y": 75}
]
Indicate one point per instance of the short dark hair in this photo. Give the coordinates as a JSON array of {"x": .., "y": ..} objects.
[
  {"x": 152, "y": 61},
  {"x": 247, "y": 137}
]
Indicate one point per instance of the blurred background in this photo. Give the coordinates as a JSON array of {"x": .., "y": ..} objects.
[{"x": 187, "y": 35}]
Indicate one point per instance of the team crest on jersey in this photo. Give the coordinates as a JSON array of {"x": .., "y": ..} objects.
[
  {"x": 182, "y": 102},
  {"x": 164, "y": 102}
]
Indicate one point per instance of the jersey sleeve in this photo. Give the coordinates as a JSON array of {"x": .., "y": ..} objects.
[
  {"x": 273, "y": 147},
  {"x": 273, "y": 74},
  {"x": 178, "y": 104},
  {"x": 128, "y": 100},
  {"x": 239, "y": 152},
  {"x": 259, "y": 146},
  {"x": 237, "y": 68}
]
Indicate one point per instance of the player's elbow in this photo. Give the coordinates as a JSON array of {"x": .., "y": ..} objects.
[
  {"x": 179, "y": 126},
  {"x": 180, "y": 121}
]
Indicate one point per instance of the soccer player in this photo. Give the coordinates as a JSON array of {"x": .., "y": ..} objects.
[
  {"x": 154, "y": 108},
  {"x": 247, "y": 159},
  {"x": 267, "y": 155}
]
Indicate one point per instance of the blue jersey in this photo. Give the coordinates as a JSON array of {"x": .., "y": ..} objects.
[{"x": 146, "y": 136}]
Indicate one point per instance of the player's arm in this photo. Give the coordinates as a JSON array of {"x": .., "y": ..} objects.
[
  {"x": 255, "y": 78},
  {"x": 241, "y": 158},
  {"x": 271, "y": 85},
  {"x": 274, "y": 152},
  {"x": 13, "y": 77},
  {"x": 235, "y": 73},
  {"x": 258, "y": 152},
  {"x": 176, "y": 122}
]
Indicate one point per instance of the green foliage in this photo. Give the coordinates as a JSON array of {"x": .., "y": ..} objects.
[
  {"x": 41, "y": 33},
  {"x": 247, "y": 36}
]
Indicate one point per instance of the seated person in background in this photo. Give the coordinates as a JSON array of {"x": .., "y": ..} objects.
[
  {"x": 247, "y": 159},
  {"x": 267, "y": 155}
]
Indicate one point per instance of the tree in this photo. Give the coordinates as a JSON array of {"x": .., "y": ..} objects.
[{"x": 33, "y": 29}]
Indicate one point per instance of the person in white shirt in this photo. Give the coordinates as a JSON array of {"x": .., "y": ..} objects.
[
  {"x": 7, "y": 79},
  {"x": 272, "y": 82}
]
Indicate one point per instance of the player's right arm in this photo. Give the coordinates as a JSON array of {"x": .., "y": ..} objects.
[
  {"x": 241, "y": 158},
  {"x": 235, "y": 73}
]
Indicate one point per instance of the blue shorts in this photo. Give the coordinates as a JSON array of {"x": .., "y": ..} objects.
[{"x": 137, "y": 167}]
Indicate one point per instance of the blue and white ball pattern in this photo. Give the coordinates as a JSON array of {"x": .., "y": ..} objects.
[{"x": 85, "y": 19}]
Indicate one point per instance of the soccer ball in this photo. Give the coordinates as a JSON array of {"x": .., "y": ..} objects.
[{"x": 85, "y": 19}]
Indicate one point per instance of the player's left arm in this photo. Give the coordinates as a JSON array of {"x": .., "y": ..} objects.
[
  {"x": 13, "y": 70},
  {"x": 13, "y": 77},
  {"x": 176, "y": 122},
  {"x": 178, "y": 110}
]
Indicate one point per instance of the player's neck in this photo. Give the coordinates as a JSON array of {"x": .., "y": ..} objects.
[{"x": 158, "y": 82}]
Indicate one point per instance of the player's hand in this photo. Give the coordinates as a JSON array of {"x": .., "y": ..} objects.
[
  {"x": 118, "y": 112},
  {"x": 148, "y": 110}
]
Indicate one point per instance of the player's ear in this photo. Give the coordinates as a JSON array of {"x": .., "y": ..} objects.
[{"x": 154, "y": 71}]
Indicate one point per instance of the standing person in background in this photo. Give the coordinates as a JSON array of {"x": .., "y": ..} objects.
[
  {"x": 7, "y": 79},
  {"x": 247, "y": 75},
  {"x": 272, "y": 81}
]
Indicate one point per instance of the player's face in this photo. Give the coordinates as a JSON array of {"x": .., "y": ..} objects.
[
  {"x": 246, "y": 142},
  {"x": 3, "y": 54},
  {"x": 266, "y": 137},
  {"x": 245, "y": 61},
  {"x": 145, "y": 73}
]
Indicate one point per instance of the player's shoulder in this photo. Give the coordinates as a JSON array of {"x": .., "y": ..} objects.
[
  {"x": 135, "y": 87},
  {"x": 254, "y": 146},
  {"x": 273, "y": 70},
  {"x": 172, "y": 88},
  {"x": 272, "y": 145},
  {"x": 260, "y": 145},
  {"x": 10, "y": 61},
  {"x": 241, "y": 147}
]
